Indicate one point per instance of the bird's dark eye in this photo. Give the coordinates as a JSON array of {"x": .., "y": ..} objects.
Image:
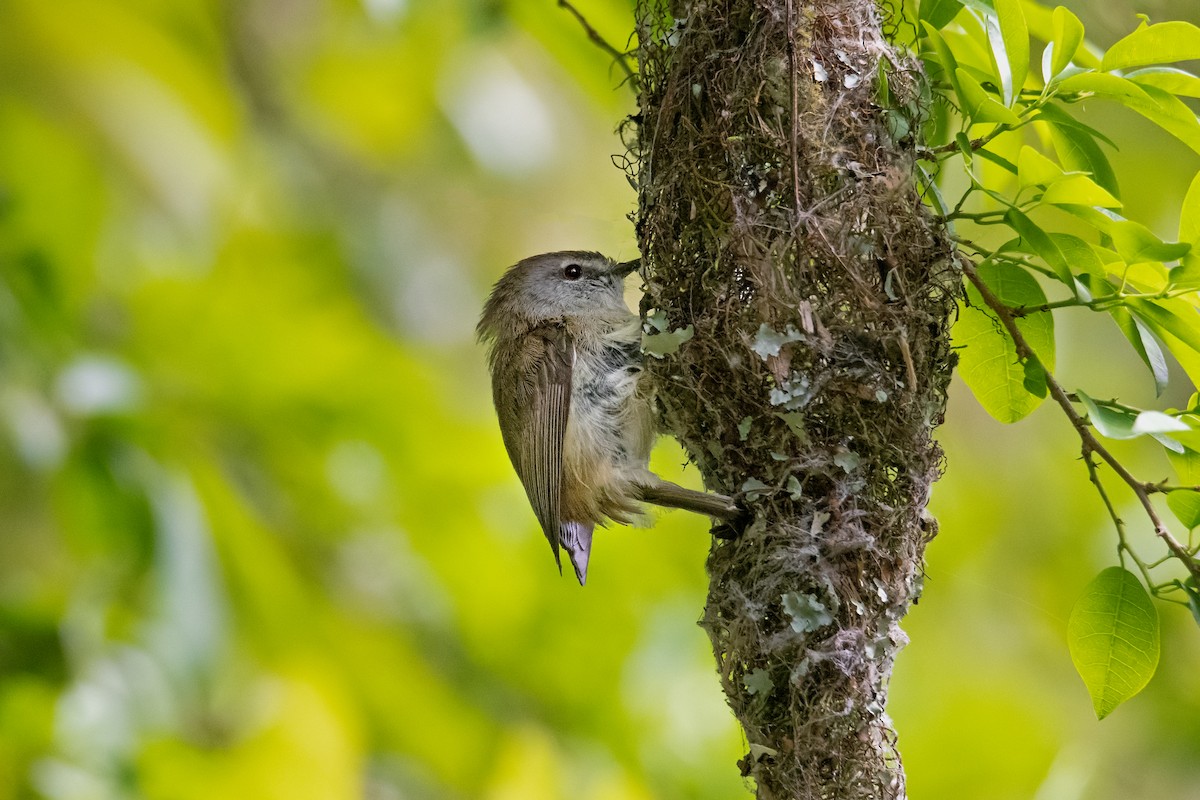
[{"x": 572, "y": 272}]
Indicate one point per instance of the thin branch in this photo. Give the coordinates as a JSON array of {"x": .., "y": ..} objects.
[
  {"x": 1164, "y": 488},
  {"x": 1122, "y": 543},
  {"x": 618, "y": 56},
  {"x": 1102, "y": 303},
  {"x": 1089, "y": 441}
]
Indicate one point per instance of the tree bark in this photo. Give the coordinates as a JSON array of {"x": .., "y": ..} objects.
[{"x": 779, "y": 219}]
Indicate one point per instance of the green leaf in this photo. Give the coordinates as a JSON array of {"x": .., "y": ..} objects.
[
  {"x": 1169, "y": 79},
  {"x": 1078, "y": 189},
  {"x": 1101, "y": 84},
  {"x": 1189, "y": 587},
  {"x": 1114, "y": 423},
  {"x": 1152, "y": 422},
  {"x": 1172, "y": 115},
  {"x": 988, "y": 360},
  {"x": 964, "y": 146},
  {"x": 1186, "y": 466},
  {"x": 1155, "y": 44},
  {"x": 1041, "y": 26},
  {"x": 944, "y": 56},
  {"x": 1015, "y": 34},
  {"x": 1162, "y": 108},
  {"x": 933, "y": 194},
  {"x": 977, "y": 105},
  {"x": 997, "y": 159},
  {"x": 938, "y": 13},
  {"x": 1113, "y": 637},
  {"x": 1035, "y": 379},
  {"x": 1189, "y": 214},
  {"x": 1078, "y": 149},
  {"x": 1067, "y": 37},
  {"x": 1185, "y": 505},
  {"x": 1040, "y": 243},
  {"x": 1188, "y": 272},
  {"x": 1120, "y": 423},
  {"x": 1079, "y": 255},
  {"x": 1175, "y": 317},
  {"x": 1145, "y": 343},
  {"x": 1174, "y": 321},
  {"x": 1034, "y": 169},
  {"x": 1137, "y": 243}
]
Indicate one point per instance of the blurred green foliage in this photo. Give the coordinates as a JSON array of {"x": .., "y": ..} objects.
[{"x": 258, "y": 534}]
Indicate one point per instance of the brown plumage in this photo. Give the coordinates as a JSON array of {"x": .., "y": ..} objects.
[{"x": 574, "y": 414}]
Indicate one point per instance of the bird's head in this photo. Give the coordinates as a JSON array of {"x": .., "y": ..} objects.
[{"x": 564, "y": 284}]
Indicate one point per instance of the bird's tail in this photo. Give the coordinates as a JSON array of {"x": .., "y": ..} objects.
[
  {"x": 576, "y": 539},
  {"x": 670, "y": 495}
]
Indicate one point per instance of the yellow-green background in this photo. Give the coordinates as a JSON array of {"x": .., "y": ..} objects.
[{"x": 258, "y": 535}]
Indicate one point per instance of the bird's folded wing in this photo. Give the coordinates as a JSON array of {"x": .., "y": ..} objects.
[{"x": 543, "y": 407}]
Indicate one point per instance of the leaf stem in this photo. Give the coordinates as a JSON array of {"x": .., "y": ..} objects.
[{"x": 1089, "y": 443}]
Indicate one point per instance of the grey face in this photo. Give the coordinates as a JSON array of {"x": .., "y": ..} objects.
[{"x": 570, "y": 283}]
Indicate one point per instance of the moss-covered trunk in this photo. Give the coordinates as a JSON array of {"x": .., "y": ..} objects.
[{"x": 779, "y": 218}]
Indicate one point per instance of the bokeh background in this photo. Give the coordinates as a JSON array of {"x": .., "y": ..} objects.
[{"x": 258, "y": 534}]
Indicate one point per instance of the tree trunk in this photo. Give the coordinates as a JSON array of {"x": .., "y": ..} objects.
[{"x": 780, "y": 220}]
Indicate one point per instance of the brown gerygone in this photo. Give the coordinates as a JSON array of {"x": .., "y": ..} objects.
[{"x": 574, "y": 410}]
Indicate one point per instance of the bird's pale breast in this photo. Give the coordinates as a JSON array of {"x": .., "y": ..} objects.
[{"x": 610, "y": 430}]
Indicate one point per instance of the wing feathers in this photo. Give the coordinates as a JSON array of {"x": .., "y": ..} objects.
[{"x": 544, "y": 408}]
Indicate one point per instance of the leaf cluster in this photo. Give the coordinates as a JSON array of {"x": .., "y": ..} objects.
[{"x": 1040, "y": 227}]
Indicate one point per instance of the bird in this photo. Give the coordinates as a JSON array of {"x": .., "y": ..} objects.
[{"x": 574, "y": 404}]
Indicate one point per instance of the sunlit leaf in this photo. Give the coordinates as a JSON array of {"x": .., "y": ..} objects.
[
  {"x": 942, "y": 53},
  {"x": 1188, "y": 272},
  {"x": 978, "y": 105},
  {"x": 1068, "y": 35},
  {"x": 1179, "y": 320},
  {"x": 1148, "y": 346},
  {"x": 1034, "y": 169},
  {"x": 1114, "y": 423},
  {"x": 1040, "y": 19},
  {"x": 1151, "y": 422},
  {"x": 1113, "y": 636},
  {"x": 1169, "y": 79},
  {"x": 1186, "y": 466},
  {"x": 1015, "y": 34},
  {"x": 1079, "y": 255},
  {"x": 988, "y": 361},
  {"x": 1078, "y": 190},
  {"x": 1193, "y": 595},
  {"x": 988, "y": 155},
  {"x": 1155, "y": 44},
  {"x": 1185, "y": 505},
  {"x": 1135, "y": 242},
  {"x": 938, "y": 12},
  {"x": 1156, "y": 105},
  {"x": 1039, "y": 242},
  {"x": 1077, "y": 147}
]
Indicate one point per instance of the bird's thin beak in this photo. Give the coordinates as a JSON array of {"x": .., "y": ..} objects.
[{"x": 626, "y": 267}]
